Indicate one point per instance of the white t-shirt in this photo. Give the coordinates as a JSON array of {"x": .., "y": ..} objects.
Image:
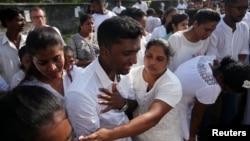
[
  {"x": 143, "y": 6},
  {"x": 167, "y": 89},
  {"x": 82, "y": 101},
  {"x": 181, "y": 7},
  {"x": 197, "y": 82},
  {"x": 223, "y": 41},
  {"x": 9, "y": 60},
  {"x": 159, "y": 32},
  {"x": 118, "y": 10},
  {"x": 184, "y": 49},
  {"x": 99, "y": 18},
  {"x": 152, "y": 23}
]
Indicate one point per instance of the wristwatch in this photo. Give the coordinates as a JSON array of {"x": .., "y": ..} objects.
[{"x": 125, "y": 107}]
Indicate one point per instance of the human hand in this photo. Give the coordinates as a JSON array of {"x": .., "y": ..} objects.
[
  {"x": 101, "y": 134},
  {"x": 113, "y": 99}
]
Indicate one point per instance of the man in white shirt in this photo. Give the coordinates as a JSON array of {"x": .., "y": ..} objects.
[
  {"x": 10, "y": 42},
  {"x": 101, "y": 13},
  {"x": 141, "y": 5},
  {"x": 118, "y": 8},
  {"x": 230, "y": 38},
  {"x": 181, "y": 7},
  {"x": 118, "y": 52}
]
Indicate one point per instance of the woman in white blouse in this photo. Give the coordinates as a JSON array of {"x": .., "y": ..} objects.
[{"x": 45, "y": 46}]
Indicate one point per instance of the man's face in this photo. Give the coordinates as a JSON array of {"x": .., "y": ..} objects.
[
  {"x": 16, "y": 24},
  {"x": 123, "y": 55},
  {"x": 204, "y": 30},
  {"x": 38, "y": 18},
  {"x": 236, "y": 11},
  {"x": 96, "y": 7},
  {"x": 198, "y": 5}
]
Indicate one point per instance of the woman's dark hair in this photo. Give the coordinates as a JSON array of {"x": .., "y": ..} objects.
[
  {"x": 113, "y": 29},
  {"x": 8, "y": 14},
  {"x": 176, "y": 19},
  {"x": 68, "y": 49},
  {"x": 168, "y": 51},
  {"x": 204, "y": 16},
  {"x": 234, "y": 73},
  {"x": 42, "y": 38},
  {"x": 191, "y": 12},
  {"x": 150, "y": 11},
  {"x": 21, "y": 53},
  {"x": 39, "y": 39},
  {"x": 134, "y": 13},
  {"x": 25, "y": 110},
  {"x": 84, "y": 18},
  {"x": 167, "y": 12}
]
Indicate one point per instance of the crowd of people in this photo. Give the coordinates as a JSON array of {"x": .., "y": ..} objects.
[{"x": 127, "y": 74}]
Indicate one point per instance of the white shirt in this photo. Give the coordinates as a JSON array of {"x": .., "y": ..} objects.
[
  {"x": 3, "y": 85},
  {"x": 159, "y": 32},
  {"x": 223, "y": 41},
  {"x": 99, "y": 18},
  {"x": 197, "y": 82},
  {"x": 82, "y": 101},
  {"x": 152, "y": 23},
  {"x": 17, "y": 78},
  {"x": 118, "y": 10},
  {"x": 167, "y": 88},
  {"x": 143, "y": 6},
  {"x": 66, "y": 83},
  {"x": 9, "y": 60},
  {"x": 181, "y": 7},
  {"x": 184, "y": 49}
]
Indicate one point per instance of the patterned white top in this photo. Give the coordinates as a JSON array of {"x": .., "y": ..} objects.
[{"x": 197, "y": 82}]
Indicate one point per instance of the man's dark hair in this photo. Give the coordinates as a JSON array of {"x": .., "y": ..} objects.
[{"x": 112, "y": 30}]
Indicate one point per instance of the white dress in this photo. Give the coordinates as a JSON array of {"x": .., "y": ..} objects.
[
  {"x": 167, "y": 89},
  {"x": 197, "y": 82}
]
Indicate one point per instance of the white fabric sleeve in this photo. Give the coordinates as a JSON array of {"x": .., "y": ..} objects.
[
  {"x": 3, "y": 85},
  {"x": 212, "y": 45},
  {"x": 14, "y": 81},
  {"x": 209, "y": 94},
  {"x": 245, "y": 46},
  {"x": 170, "y": 93}
]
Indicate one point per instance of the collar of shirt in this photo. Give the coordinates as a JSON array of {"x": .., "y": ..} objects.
[
  {"x": 6, "y": 40},
  {"x": 101, "y": 74}
]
